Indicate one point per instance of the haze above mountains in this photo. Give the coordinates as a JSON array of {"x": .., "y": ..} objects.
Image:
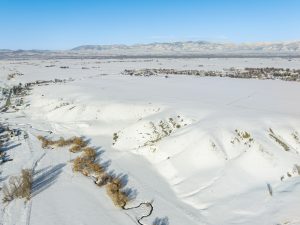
[{"x": 189, "y": 48}]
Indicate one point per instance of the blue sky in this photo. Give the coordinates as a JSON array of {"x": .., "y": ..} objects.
[{"x": 64, "y": 24}]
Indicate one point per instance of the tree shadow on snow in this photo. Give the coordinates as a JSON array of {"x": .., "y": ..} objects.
[
  {"x": 161, "y": 221},
  {"x": 9, "y": 146},
  {"x": 45, "y": 178},
  {"x": 2, "y": 178},
  {"x": 105, "y": 164},
  {"x": 99, "y": 151}
]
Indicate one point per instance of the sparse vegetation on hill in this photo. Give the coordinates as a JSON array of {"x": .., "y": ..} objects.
[
  {"x": 296, "y": 137},
  {"x": 168, "y": 126},
  {"x": 115, "y": 138},
  {"x": 243, "y": 137},
  {"x": 279, "y": 140},
  {"x": 156, "y": 131}
]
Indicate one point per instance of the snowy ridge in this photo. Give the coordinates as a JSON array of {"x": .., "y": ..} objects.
[
  {"x": 173, "y": 50},
  {"x": 199, "y": 47}
]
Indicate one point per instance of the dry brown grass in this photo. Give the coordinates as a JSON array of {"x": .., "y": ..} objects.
[
  {"x": 114, "y": 191},
  {"x": 89, "y": 153},
  {"x": 26, "y": 177},
  {"x": 61, "y": 142},
  {"x": 87, "y": 166},
  {"x": 45, "y": 142},
  {"x": 79, "y": 141},
  {"x": 41, "y": 138},
  {"x": 92, "y": 168},
  {"x": 103, "y": 179},
  {"x": 75, "y": 149},
  {"x": 18, "y": 187},
  {"x": 80, "y": 163}
]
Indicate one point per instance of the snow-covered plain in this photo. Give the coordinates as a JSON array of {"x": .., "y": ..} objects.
[{"x": 202, "y": 149}]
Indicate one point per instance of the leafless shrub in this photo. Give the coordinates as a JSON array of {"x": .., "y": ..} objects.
[
  {"x": 92, "y": 168},
  {"x": 103, "y": 179},
  {"x": 61, "y": 142},
  {"x": 90, "y": 153},
  {"x": 87, "y": 166},
  {"x": 75, "y": 149},
  {"x": 41, "y": 138},
  {"x": 114, "y": 191},
  {"x": 80, "y": 163},
  {"x": 45, "y": 142},
  {"x": 18, "y": 187},
  {"x": 11, "y": 190},
  {"x": 79, "y": 141},
  {"x": 26, "y": 177}
]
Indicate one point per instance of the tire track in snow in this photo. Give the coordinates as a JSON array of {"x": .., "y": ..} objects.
[
  {"x": 28, "y": 214},
  {"x": 34, "y": 165}
]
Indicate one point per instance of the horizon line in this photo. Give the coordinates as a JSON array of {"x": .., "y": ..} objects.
[{"x": 157, "y": 42}]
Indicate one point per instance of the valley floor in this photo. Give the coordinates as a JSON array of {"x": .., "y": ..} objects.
[{"x": 202, "y": 150}]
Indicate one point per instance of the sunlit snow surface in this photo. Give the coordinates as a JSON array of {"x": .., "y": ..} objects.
[{"x": 178, "y": 142}]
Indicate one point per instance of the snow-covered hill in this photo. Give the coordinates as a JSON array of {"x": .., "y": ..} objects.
[
  {"x": 200, "y": 47},
  {"x": 201, "y": 150}
]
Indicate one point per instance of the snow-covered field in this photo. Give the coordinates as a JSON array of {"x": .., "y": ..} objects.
[{"x": 207, "y": 150}]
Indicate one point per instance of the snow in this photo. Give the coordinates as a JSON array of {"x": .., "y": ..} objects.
[
  {"x": 200, "y": 47},
  {"x": 179, "y": 142}
]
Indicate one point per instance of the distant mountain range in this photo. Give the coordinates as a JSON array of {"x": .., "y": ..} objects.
[
  {"x": 175, "y": 49},
  {"x": 197, "y": 47}
]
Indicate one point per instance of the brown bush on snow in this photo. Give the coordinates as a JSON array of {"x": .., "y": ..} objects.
[
  {"x": 79, "y": 141},
  {"x": 119, "y": 197},
  {"x": 45, "y": 142},
  {"x": 103, "y": 179},
  {"x": 18, "y": 187},
  {"x": 41, "y": 138},
  {"x": 80, "y": 163},
  {"x": 89, "y": 153},
  {"x": 75, "y": 149},
  {"x": 87, "y": 166},
  {"x": 61, "y": 142},
  {"x": 93, "y": 168}
]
